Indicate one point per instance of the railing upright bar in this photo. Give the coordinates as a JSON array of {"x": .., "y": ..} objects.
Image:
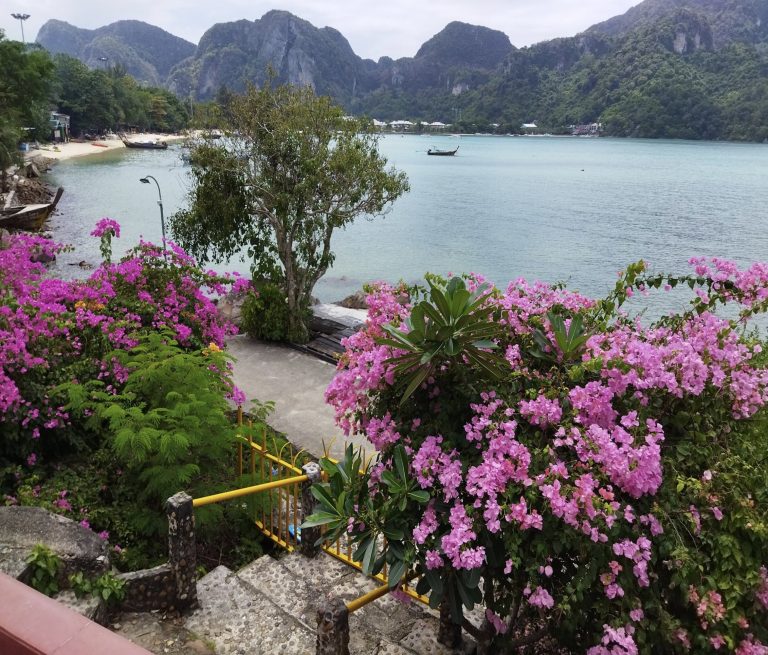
[
  {"x": 296, "y": 514},
  {"x": 271, "y": 477},
  {"x": 250, "y": 440},
  {"x": 240, "y": 443},
  {"x": 283, "y": 504},
  {"x": 261, "y": 466}
]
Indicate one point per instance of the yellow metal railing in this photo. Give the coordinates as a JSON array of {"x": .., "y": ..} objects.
[
  {"x": 278, "y": 512},
  {"x": 362, "y": 601},
  {"x": 341, "y": 549}
]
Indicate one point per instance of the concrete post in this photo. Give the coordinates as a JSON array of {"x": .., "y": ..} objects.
[
  {"x": 182, "y": 556},
  {"x": 309, "y": 536},
  {"x": 332, "y": 628}
]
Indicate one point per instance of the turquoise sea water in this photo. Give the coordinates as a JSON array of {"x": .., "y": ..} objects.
[{"x": 574, "y": 209}]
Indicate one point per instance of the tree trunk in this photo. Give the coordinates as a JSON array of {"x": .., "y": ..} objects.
[
  {"x": 297, "y": 329},
  {"x": 485, "y": 642},
  {"x": 448, "y": 633}
]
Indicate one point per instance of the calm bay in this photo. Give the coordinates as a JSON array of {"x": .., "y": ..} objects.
[{"x": 570, "y": 209}]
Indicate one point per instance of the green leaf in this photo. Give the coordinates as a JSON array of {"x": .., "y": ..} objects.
[
  {"x": 393, "y": 533},
  {"x": 434, "y": 579},
  {"x": 485, "y": 344},
  {"x": 418, "y": 377},
  {"x": 401, "y": 463},
  {"x": 396, "y": 573},
  {"x": 459, "y": 302},
  {"x": 389, "y": 479},
  {"x": 322, "y": 494},
  {"x": 421, "y": 496},
  {"x": 369, "y": 556},
  {"x": 439, "y": 299},
  {"x": 365, "y": 541}
]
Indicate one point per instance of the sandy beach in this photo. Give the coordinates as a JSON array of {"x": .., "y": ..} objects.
[{"x": 74, "y": 149}]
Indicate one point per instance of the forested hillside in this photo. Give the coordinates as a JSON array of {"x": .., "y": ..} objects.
[{"x": 666, "y": 68}]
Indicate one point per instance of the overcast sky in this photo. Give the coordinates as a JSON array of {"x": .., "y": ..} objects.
[{"x": 387, "y": 27}]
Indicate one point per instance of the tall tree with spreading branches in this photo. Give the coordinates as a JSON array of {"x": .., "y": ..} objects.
[{"x": 292, "y": 170}]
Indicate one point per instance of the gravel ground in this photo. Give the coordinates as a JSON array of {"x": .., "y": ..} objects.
[{"x": 159, "y": 634}]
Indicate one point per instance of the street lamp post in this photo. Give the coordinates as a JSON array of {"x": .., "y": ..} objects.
[
  {"x": 146, "y": 180},
  {"x": 21, "y": 18}
]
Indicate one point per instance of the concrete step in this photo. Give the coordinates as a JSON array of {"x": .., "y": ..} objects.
[
  {"x": 270, "y": 607},
  {"x": 239, "y": 619},
  {"x": 386, "y": 626},
  {"x": 298, "y": 585}
]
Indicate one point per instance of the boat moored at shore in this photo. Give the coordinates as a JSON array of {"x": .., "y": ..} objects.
[
  {"x": 28, "y": 217},
  {"x": 147, "y": 145}
]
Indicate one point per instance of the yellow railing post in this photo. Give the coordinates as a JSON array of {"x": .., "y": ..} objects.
[{"x": 239, "y": 442}]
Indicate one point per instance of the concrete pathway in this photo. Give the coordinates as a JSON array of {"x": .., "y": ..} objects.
[{"x": 297, "y": 383}]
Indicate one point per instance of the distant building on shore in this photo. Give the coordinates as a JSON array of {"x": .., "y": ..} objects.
[{"x": 59, "y": 127}]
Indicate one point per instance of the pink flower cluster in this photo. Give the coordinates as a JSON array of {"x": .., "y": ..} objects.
[
  {"x": 49, "y": 326},
  {"x": 583, "y": 454},
  {"x": 616, "y": 641},
  {"x": 106, "y": 225}
]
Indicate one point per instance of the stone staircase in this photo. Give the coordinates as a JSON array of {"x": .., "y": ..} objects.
[{"x": 269, "y": 607}]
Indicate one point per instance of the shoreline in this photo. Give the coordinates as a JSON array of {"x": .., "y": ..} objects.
[{"x": 73, "y": 149}]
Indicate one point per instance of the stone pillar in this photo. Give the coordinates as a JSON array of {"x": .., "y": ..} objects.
[
  {"x": 332, "y": 627},
  {"x": 309, "y": 536},
  {"x": 182, "y": 556}
]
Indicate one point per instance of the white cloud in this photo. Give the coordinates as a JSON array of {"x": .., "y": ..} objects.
[{"x": 396, "y": 28}]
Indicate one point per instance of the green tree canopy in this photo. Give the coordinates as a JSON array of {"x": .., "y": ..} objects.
[
  {"x": 293, "y": 170},
  {"x": 24, "y": 88},
  {"x": 98, "y": 100}
]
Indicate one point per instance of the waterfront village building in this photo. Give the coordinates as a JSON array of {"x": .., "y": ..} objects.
[
  {"x": 401, "y": 126},
  {"x": 59, "y": 126}
]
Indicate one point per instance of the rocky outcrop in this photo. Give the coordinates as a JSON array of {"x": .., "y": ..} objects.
[
  {"x": 234, "y": 54},
  {"x": 147, "y": 52},
  {"x": 22, "y": 528},
  {"x": 745, "y": 21}
]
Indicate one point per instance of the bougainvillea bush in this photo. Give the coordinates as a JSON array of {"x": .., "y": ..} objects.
[
  {"x": 590, "y": 481},
  {"x": 129, "y": 359}
]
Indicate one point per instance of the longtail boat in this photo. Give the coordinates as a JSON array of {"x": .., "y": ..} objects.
[
  {"x": 147, "y": 145},
  {"x": 442, "y": 153},
  {"x": 28, "y": 217}
]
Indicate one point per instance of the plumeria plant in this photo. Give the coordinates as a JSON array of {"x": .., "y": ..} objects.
[{"x": 594, "y": 484}]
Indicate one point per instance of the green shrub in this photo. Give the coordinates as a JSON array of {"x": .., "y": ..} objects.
[
  {"x": 107, "y": 587},
  {"x": 169, "y": 427},
  {"x": 45, "y": 567},
  {"x": 266, "y": 315}
]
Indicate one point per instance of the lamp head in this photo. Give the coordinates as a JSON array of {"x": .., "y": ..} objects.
[{"x": 144, "y": 179}]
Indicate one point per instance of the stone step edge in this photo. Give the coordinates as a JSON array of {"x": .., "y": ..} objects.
[{"x": 312, "y": 628}]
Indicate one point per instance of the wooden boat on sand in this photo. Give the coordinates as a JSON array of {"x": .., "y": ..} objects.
[
  {"x": 147, "y": 145},
  {"x": 28, "y": 217},
  {"x": 442, "y": 153}
]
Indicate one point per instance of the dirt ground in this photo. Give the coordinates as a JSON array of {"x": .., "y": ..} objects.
[{"x": 159, "y": 634}]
